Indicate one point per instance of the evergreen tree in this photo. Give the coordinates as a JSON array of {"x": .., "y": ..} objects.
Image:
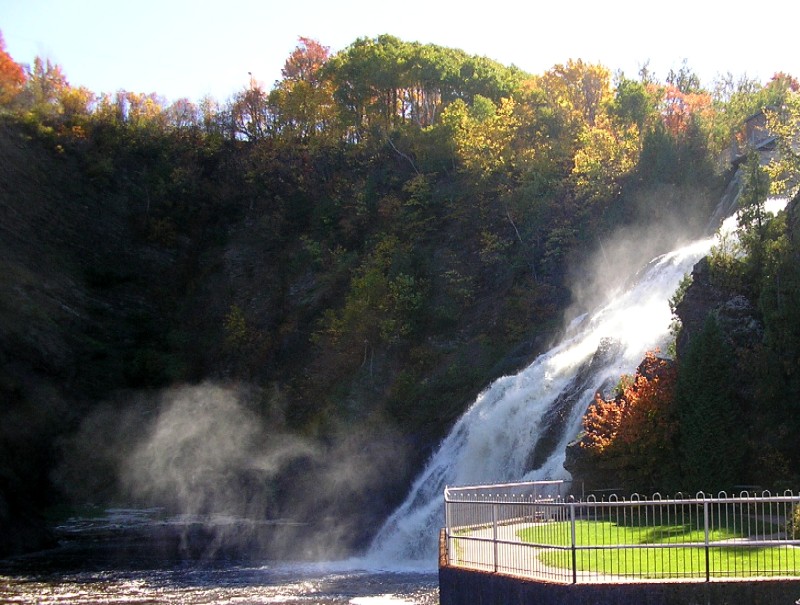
[
  {"x": 751, "y": 216},
  {"x": 708, "y": 440}
]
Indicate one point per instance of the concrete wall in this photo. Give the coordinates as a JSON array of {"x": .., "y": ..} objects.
[{"x": 464, "y": 587}]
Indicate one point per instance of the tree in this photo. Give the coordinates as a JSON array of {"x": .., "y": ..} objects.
[
  {"x": 684, "y": 80},
  {"x": 580, "y": 89},
  {"x": 183, "y": 114},
  {"x": 751, "y": 217},
  {"x": 601, "y": 423},
  {"x": 784, "y": 123},
  {"x": 381, "y": 302},
  {"x": 709, "y": 436},
  {"x": 482, "y": 134},
  {"x": 680, "y": 110},
  {"x": 482, "y": 76},
  {"x": 76, "y": 104},
  {"x": 734, "y": 101},
  {"x": 606, "y": 155},
  {"x": 12, "y": 76},
  {"x": 367, "y": 79},
  {"x": 144, "y": 111},
  {"x": 632, "y": 103},
  {"x": 430, "y": 71},
  {"x": 212, "y": 118},
  {"x": 382, "y": 84},
  {"x": 45, "y": 84},
  {"x": 610, "y": 149},
  {"x": 634, "y": 431},
  {"x": 302, "y": 103},
  {"x": 306, "y": 61},
  {"x": 250, "y": 112}
]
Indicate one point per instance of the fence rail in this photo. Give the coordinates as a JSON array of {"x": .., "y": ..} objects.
[{"x": 532, "y": 530}]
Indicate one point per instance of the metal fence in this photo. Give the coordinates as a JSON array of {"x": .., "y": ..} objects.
[{"x": 533, "y": 530}]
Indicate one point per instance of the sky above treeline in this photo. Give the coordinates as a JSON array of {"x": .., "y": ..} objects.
[{"x": 190, "y": 48}]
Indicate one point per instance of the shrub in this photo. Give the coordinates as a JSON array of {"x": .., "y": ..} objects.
[{"x": 793, "y": 523}]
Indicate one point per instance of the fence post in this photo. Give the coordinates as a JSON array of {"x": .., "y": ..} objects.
[
  {"x": 705, "y": 523},
  {"x": 447, "y": 523},
  {"x": 494, "y": 534},
  {"x": 573, "y": 542}
]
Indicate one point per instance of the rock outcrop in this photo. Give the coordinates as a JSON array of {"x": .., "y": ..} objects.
[{"x": 738, "y": 318}]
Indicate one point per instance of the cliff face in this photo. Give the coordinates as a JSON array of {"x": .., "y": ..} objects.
[
  {"x": 77, "y": 278},
  {"x": 737, "y": 316},
  {"x": 75, "y": 286}
]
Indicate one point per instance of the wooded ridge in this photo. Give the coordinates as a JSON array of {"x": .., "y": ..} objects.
[{"x": 342, "y": 262}]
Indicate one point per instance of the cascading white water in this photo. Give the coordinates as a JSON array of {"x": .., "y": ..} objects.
[{"x": 493, "y": 440}]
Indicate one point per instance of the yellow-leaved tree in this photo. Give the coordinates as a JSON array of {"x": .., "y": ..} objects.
[
  {"x": 302, "y": 103},
  {"x": 482, "y": 134},
  {"x": 784, "y": 123},
  {"x": 606, "y": 155}
]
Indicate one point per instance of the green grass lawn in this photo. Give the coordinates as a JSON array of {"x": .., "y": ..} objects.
[{"x": 676, "y": 561}]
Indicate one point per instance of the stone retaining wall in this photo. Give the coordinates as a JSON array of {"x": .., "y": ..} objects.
[{"x": 466, "y": 587}]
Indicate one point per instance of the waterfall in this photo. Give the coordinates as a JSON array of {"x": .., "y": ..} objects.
[{"x": 499, "y": 436}]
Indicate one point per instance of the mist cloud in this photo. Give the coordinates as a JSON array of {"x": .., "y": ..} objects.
[
  {"x": 205, "y": 452},
  {"x": 220, "y": 458},
  {"x": 618, "y": 255}
]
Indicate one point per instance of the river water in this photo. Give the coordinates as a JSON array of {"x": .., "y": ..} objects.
[
  {"x": 188, "y": 584},
  {"x": 117, "y": 558}
]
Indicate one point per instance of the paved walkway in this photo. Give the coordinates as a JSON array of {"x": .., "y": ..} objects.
[{"x": 509, "y": 555}]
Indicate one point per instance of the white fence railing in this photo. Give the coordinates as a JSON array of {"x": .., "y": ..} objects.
[{"x": 531, "y": 530}]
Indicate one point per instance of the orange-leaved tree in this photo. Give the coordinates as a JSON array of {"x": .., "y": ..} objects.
[
  {"x": 634, "y": 432},
  {"x": 12, "y": 76},
  {"x": 680, "y": 108}
]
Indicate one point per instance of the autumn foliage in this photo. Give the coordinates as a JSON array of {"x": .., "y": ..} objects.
[
  {"x": 681, "y": 108},
  {"x": 12, "y": 76},
  {"x": 635, "y": 429}
]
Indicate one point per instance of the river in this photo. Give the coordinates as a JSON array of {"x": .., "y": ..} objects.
[
  {"x": 230, "y": 583},
  {"x": 109, "y": 559}
]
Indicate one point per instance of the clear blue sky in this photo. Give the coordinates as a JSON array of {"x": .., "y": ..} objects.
[{"x": 189, "y": 48}]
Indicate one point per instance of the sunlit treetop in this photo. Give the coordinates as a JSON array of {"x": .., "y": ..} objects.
[
  {"x": 12, "y": 76},
  {"x": 306, "y": 61}
]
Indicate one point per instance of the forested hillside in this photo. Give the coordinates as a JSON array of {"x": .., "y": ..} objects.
[{"x": 327, "y": 271}]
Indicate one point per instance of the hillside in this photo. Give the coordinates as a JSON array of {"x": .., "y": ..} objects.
[
  {"x": 276, "y": 309},
  {"x": 97, "y": 308}
]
